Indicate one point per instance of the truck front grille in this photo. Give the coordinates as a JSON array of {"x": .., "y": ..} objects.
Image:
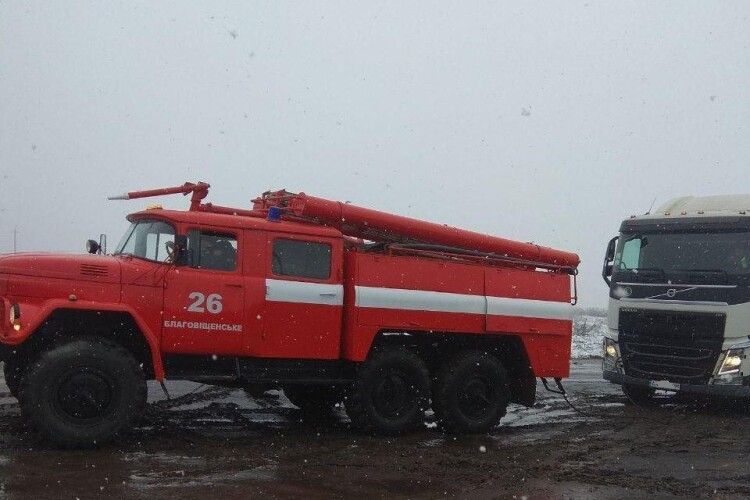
[{"x": 681, "y": 347}]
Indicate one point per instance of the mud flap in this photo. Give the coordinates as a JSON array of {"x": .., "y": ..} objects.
[{"x": 523, "y": 391}]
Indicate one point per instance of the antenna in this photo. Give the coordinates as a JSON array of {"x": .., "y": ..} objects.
[
  {"x": 651, "y": 207},
  {"x": 15, "y": 239}
]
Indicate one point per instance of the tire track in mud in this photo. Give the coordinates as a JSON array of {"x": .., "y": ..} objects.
[
  {"x": 666, "y": 484},
  {"x": 267, "y": 401},
  {"x": 197, "y": 396},
  {"x": 221, "y": 411},
  {"x": 617, "y": 458}
]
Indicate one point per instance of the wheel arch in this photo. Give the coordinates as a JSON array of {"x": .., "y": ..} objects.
[{"x": 115, "y": 322}]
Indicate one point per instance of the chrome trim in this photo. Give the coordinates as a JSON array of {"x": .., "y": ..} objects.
[
  {"x": 679, "y": 302},
  {"x": 672, "y": 292},
  {"x": 673, "y": 285}
]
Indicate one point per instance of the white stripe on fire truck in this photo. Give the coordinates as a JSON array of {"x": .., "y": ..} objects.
[
  {"x": 419, "y": 300},
  {"x": 425, "y": 300},
  {"x": 529, "y": 308},
  {"x": 415, "y": 300},
  {"x": 304, "y": 292}
]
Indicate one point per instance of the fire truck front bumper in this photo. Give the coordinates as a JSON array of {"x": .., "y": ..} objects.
[{"x": 720, "y": 390}]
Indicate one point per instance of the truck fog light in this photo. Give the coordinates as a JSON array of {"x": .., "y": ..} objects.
[
  {"x": 610, "y": 349},
  {"x": 611, "y": 354},
  {"x": 732, "y": 362}
]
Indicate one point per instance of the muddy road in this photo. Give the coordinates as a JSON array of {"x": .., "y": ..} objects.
[{"x": 218, "y": 443}]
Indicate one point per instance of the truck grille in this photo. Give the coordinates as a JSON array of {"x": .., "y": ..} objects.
[{"x": 681, "y": 347}]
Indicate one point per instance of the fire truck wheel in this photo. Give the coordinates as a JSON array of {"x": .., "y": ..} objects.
[
  {"x": 391, "y": 392},
  {"x": 471, "y": 393},
  {"x": 12, "y": 373},
  {"x": 313, "y": 399},
  {"x": 84, "y": 392},
  {"x": 639, "y": 395}
]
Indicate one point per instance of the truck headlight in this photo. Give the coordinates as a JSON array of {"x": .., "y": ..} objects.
[
  {"x": 610, "y": 351},
  {"x": 732, "y": 362}
]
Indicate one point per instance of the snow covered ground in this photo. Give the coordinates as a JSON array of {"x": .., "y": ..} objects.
[{"x": 588, "y": 331}]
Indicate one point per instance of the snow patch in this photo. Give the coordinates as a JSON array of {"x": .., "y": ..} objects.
[{"x": 588, "y": 334}]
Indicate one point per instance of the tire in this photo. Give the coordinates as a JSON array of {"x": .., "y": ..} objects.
[
  {"x": 313, "y": 400},
  {"x": 639, "y": 395},
  {"x": 390, "y": 393},
  {"x": 13, "y": 373},
  {"x": 471, "y": 393},
  {"x": 83, "y": 393}
]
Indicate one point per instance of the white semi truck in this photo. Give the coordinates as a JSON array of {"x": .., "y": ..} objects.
[{"x": 679, "y": 300}]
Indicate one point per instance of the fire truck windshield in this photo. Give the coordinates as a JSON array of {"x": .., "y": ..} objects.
[{"x": 148, "y": 239}]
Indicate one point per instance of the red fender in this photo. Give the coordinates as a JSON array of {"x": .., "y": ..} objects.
[{"x": 39, "y": 313}]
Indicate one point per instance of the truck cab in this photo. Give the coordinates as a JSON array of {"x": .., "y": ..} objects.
[
  {"x": 240, "y": 286},
  {"x": 679, "y": 300}
]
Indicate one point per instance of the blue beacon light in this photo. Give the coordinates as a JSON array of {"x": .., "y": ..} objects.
[{"x": 274, "y": 214}]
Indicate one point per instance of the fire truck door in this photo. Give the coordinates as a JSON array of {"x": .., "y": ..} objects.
[
  {"x": 304, "y": 297},
  {"x": 204, "y": 300}
]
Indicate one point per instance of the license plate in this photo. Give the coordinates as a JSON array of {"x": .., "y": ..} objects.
[{"x": 664, "y": 385}]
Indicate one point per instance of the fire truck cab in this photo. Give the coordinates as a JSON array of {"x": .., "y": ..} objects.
[{"x": 327, "y": 301}]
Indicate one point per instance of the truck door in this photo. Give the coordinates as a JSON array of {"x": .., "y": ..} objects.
[
  {"x": 304, "y": 297},
  {"x": 204, "y": 300}
]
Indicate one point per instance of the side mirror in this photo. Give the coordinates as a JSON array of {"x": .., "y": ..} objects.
[
  {"x": 92, "y": 247},
  {"x": 609, "y": 256}
]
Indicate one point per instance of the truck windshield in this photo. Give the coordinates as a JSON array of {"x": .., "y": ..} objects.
[
  {"x": 148, "y": 239},
  {"x": 718, "y": 254}
]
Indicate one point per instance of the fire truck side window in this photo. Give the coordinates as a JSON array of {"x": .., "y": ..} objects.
[
  {"x": 304, "y": 259},
  {"x": 209, "y": 250}
]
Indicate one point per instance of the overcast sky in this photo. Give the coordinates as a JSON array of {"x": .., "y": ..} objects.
[{"x": 547, "y": 122}]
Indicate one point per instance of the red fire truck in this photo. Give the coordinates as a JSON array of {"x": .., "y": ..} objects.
[{"x": 326, "y": 300}]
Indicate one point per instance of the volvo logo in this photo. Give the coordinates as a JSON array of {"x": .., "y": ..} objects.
[{"x": 671, "y": 292}]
